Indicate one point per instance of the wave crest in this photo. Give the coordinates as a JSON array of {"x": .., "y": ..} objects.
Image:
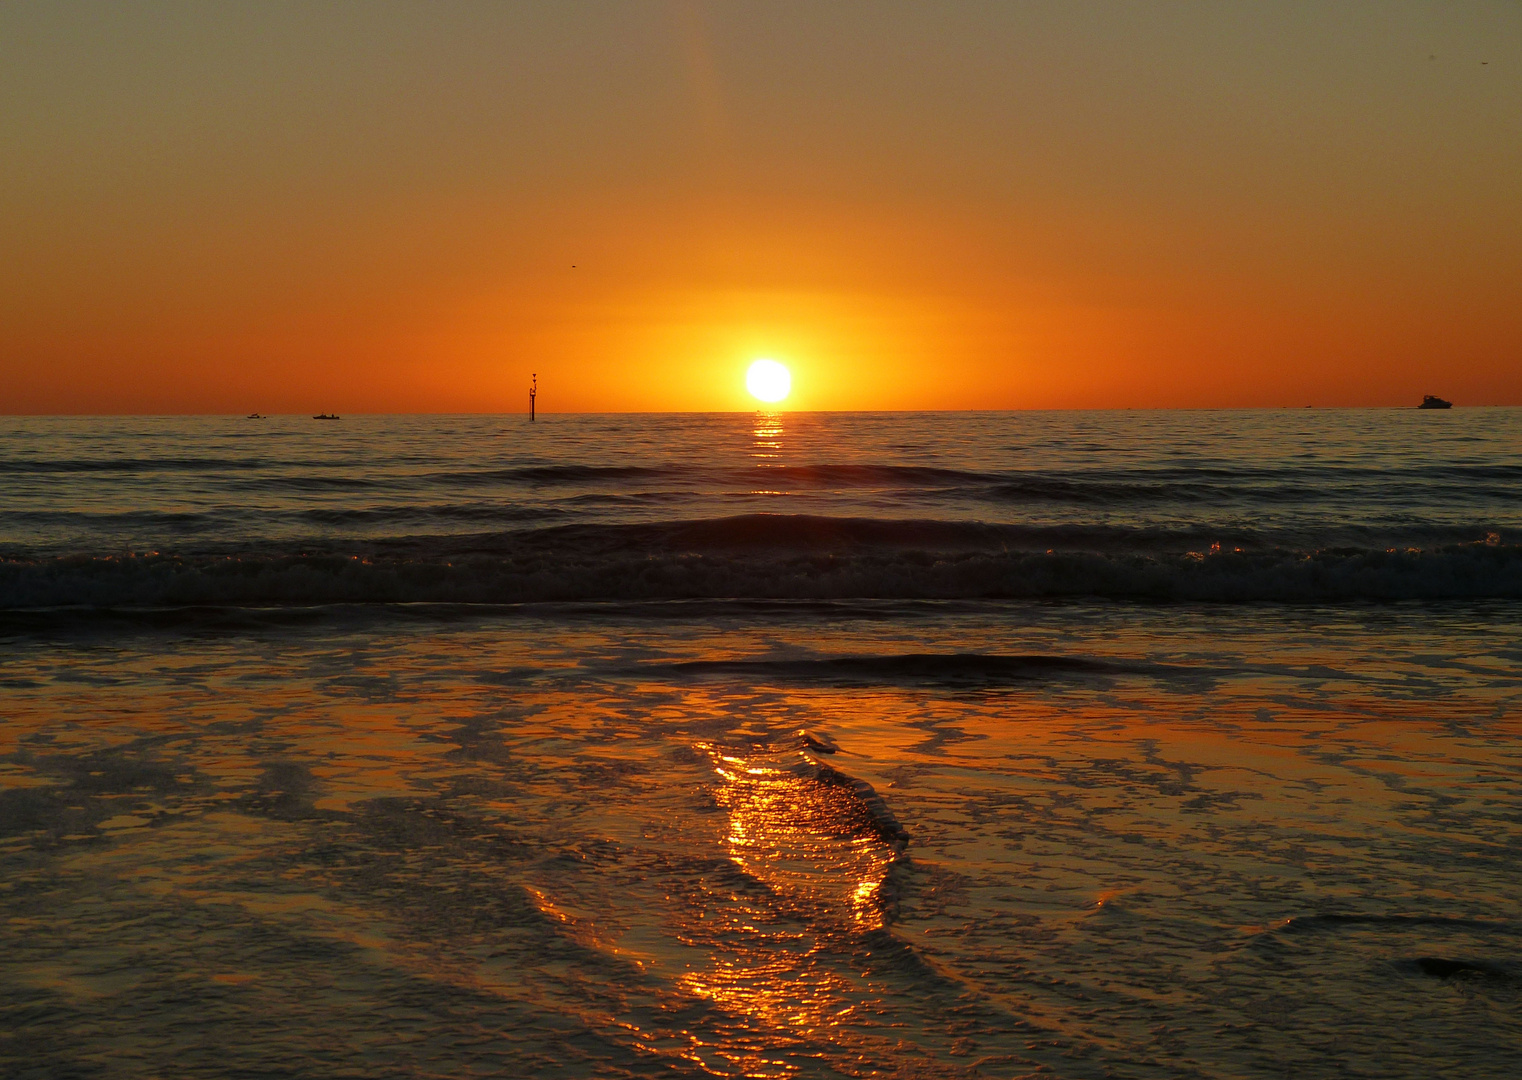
[{"x": 767, "y": 557}]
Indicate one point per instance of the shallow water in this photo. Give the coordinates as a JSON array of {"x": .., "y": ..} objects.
[{"x": 814, "y": 835}]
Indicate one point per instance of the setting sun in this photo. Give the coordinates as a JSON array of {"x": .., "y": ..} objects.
[{"x": 768, "y": 380}]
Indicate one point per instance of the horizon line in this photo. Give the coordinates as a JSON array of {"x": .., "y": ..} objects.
[{"x": 748, "y": 412}]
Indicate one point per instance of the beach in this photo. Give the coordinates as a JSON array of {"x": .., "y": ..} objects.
[{"x": 1143, "y": 744}]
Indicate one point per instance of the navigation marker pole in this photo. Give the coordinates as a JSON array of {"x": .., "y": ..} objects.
[{"x": 533, "y": 392}]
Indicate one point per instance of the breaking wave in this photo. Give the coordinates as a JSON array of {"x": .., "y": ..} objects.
[{"x": 773, "y": 557}]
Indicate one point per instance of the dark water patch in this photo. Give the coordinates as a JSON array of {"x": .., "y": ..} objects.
[
  {"x": 553, "y": 475},
  {"x": 371, "y": 689},
  {"x": 30, "y": 809},
  {"x": 116, "y": 771},
  {"x": 1441, "y": 967},
  {"x": 281, "y": 482},
  {"x": 819, "y": 744},
  {"x": 623, "y": 499},
  {"x": 71, "y": 795},
  {"x": 142, "y": 521},
  {"x": 165, "y": 463},
  {"x": 403, "y": 516},
  {"x": 806, "y": 533},
  {"x": 517, "y": 676},
  {"x": 1037, "y": 488},
  {"x": 755, "y": 557},
  {"x": 286, "y": 791},
  {"x": 778, "y": 475},
  {"x": 1333, "y": 921},
  {"x": 795, "y": 532},
  {"x": 871, "y": 475}
]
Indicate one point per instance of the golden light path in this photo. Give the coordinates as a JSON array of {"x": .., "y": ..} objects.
[
  {"x": 810, "y": 840},
  {"x": 803, "y": 834},
  {"x": 768, "y": 381}
]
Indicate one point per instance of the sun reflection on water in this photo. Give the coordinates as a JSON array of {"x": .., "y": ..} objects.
[
  {"x": 807, "y": 835},
  {"x": 766, "y": 434},
  {"x": 791, "y": 942}
]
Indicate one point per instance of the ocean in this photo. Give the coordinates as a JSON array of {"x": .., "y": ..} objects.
[{"x": 1109, "y": 744}]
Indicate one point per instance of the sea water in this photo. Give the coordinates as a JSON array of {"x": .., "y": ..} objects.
[{"x": 1144, "y": 744}]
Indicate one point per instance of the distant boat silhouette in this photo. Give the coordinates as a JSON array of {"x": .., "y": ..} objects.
[
  {"x": 256, "y": 416},
  {"x": 327, "y": 416},
  {"x": 1432, "y": 401}
]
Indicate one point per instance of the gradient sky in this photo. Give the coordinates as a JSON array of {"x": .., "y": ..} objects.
[{"x": 410, "y": 207}]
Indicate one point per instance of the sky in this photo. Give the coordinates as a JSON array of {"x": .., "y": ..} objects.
[{"x": 384, "y": 207}]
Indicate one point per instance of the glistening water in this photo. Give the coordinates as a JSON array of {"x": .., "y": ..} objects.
[{"x": 1082, "y": 745}]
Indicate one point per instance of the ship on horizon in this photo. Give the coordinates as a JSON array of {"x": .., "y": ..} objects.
[{"x": 1432, "y": 401}]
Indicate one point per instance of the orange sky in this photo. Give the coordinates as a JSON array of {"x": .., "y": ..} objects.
[{"x": 394, "y": 207}]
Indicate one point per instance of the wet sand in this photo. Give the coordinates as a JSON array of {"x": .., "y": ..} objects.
[{"x": 1074, "y": 840}]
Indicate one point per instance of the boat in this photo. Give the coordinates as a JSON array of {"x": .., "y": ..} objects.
[
  {"x": 327, "y": 416},
  {"x": 1432, "y": 401},
  {"x": 257, "y": 416}
]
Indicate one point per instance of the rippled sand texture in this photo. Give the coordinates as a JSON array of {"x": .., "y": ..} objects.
[{"x": 553, "y": 844}]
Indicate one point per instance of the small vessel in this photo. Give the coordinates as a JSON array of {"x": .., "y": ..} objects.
[
  {"x": 257, "y": 416},
  {"x": 1432, "y": 401},
  {"x": 327, "y": 416}
]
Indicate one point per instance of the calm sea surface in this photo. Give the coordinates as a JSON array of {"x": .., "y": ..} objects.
[{"x": 1133, "y": 744}]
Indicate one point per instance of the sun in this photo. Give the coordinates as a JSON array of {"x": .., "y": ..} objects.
[{"x": 768, "y": 380}]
